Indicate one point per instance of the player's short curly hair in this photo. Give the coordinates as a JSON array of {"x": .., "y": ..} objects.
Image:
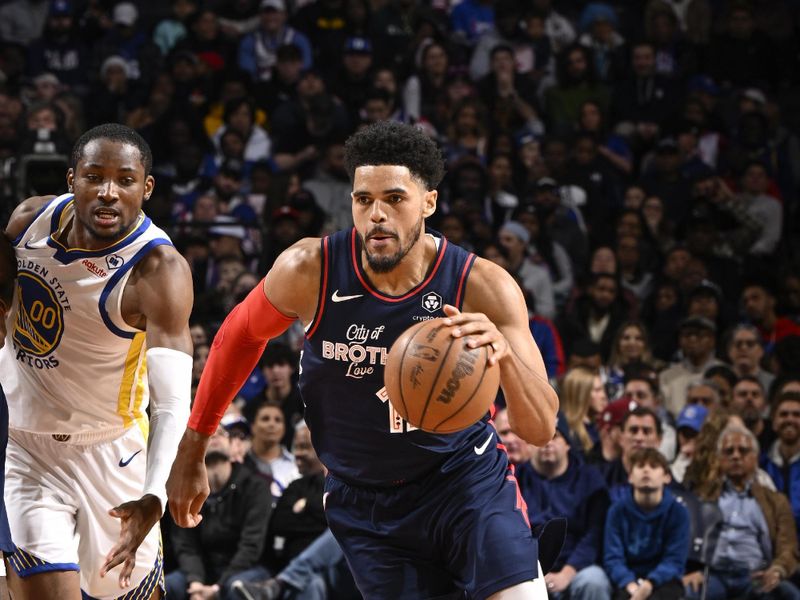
[
  {"x": 390, "y": 143},
  {"x": 117, "y": 133}
]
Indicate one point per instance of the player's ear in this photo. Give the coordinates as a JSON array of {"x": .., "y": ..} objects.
[
  {"x": 70, "y": 178},
  {"x": 429, "y": 203},
  {"x": 149, "y": 185}
]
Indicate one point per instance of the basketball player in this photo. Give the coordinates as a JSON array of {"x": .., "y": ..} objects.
[
  {"x": 417, "y": 515},
  {"x": 8, "y": 273},
  {"x": 98, "y": 328}
]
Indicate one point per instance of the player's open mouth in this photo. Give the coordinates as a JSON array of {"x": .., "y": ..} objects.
[{"x": 105, "y": 217}]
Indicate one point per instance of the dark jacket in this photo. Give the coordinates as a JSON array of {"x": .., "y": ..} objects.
[
  {"x": 651, "y": 545},
  {"x": 579, "y": 495},
  {"x": 230, "y": 538},
  {"x": 298, "y": 519}
]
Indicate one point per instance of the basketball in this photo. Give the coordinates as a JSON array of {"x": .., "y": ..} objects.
[{"x": 436, "y": 382}]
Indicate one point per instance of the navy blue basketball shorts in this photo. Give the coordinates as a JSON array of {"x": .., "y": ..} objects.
[{"x": 463, "y": 528}]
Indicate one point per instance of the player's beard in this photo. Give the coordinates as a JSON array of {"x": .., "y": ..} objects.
[{"x": 385, "y": 264}]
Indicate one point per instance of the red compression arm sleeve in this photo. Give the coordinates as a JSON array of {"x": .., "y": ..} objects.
[{"x": 234, "y": 354}]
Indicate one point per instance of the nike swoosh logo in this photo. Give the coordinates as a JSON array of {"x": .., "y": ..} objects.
[
  {"x": 337, "y": 298},
  {"x": 481, "y": 449},
  {"x": 125, "y": 463},
  {"x": 27, "y": 247}
]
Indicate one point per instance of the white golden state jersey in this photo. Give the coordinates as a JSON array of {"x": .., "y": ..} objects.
[{"x": 70, "y": 363}]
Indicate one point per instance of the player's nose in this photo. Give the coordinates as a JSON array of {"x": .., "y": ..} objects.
[{"x": 109, "y": 191}]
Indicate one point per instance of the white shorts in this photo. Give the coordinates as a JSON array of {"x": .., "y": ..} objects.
[{"x": 58, "y": 494}]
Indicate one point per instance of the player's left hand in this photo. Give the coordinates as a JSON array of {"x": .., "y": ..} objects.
[
  {"x": 137, "y": 518},
  {"x": 559, "y": 581},
  {"x": 480, "y": 330}
]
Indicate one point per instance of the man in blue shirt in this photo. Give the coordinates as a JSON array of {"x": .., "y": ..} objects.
[{"x": 553, "y": 486}]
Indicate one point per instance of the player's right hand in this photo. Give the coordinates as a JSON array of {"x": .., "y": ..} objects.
[{"x": 187, "y": 485}]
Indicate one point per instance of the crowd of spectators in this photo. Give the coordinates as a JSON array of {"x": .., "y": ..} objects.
[{"x": 633, "y": 163}]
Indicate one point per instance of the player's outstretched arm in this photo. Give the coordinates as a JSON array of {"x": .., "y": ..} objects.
[
  {"x": 157, "y": 298},
  {"x": 288, "y": 292},
  {"x": 495, "y": 314}
]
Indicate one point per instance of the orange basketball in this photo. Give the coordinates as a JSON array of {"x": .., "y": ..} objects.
[{"x": 436, "y": 382}]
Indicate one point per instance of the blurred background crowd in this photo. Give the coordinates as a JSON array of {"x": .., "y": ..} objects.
[{"x": 634, "y": 164}]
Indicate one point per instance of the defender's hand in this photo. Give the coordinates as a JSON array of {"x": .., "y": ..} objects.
[
  {"x": 187, "y": 485},
  {"x": 137, "y": 518},
  {"x": 480, "y": 330}
]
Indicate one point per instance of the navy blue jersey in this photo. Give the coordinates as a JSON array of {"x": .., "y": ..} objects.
[{"x": 355, "y": 430}]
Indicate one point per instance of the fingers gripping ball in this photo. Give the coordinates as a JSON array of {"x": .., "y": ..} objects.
[{"x": 436, "y": 382}]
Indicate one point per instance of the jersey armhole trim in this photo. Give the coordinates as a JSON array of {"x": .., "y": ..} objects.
[
  {"x": 115, "y": 279},
  {"x": 38, "y": 214},
  {"x": 462, "y": 282},
  {"x": 323, "y": 289}
]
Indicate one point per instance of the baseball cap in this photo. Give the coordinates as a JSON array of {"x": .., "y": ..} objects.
[
  {"x": 692, "y": 416},
  {"x": 755, "y": 94},
  {"x": 114, "y": 61},
  {"x": 60, "y": 8},
  {"x": 272, "y": 4},
  {"x": 546, "y": 183},
  {"x": 227, "y": 226},
  {"x": 615, "y": 412},
  {"x": 358, "y": 45},
  {"x": 285, "y": 212},
  {"x": 698, "y": 322},
  {"x": 232, "y": 168},
  {"x": 706, "y": 288},
  {"x": 667, "y": 146},
  {"x": 46, "y": 78},
  {"x": 236, "y": 423},
  {"x": 703, "y": 83},
  {"x": 518, "y": 230},
  {"x": 125, "y": 14}
]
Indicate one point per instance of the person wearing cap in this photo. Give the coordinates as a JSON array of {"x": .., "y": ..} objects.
[
  {"x": 534, "y": 278},
  {"x": 688, "y": 425},
  {"x": 470, "y": 19},
  {"x": 781, "y": 460},
  {"x": 744, "y": 352},
  {"x": 258, "y": 49},
  {"x": 61, "y": 50},
  {"x": 128, "y": 40},
  {"x": 599, "y": 24},
  {"x": 240, "y": 435},
  {"x": 556, "y": 483},
  {"x": 609, "y": 430},
  {"x": 229, "y": 542},
  {"x": 350, "y": 82},
  {"x": 697, "y": 344},
  {"x": 705, "y": 300}
]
